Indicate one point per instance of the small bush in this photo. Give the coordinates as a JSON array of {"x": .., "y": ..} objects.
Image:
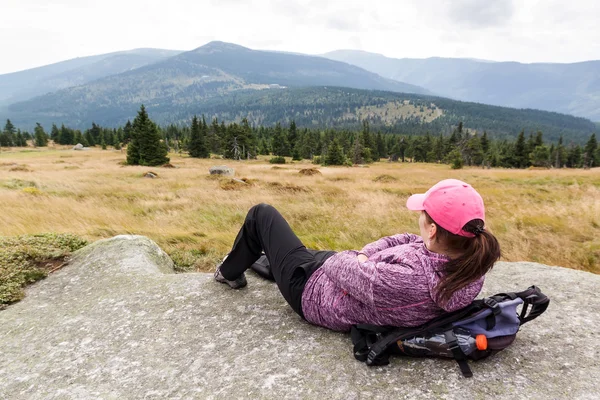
[
  {"x": 17, "y": 184},
  {"x": 385, "y": 178},
  {"x": 20, "y": 168},
  {"x": 277, "y": 160},
  {"x": 309, "y": 171}
]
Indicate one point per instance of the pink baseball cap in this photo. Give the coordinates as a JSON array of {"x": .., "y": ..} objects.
[{"x": 451, "y": 204}]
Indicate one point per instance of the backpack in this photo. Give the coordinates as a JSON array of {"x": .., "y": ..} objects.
[{"x": 496, "y": 318}]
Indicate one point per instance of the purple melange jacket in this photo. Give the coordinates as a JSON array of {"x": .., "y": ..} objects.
[{"x": 396, "y": 286}]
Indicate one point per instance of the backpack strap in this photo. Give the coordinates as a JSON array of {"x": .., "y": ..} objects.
[
  {"x": 365, "y": 336},
  {"x": 532, "y": 297},
  {"x": 459, "y": 355},
  {"x": 539, "y": 303}
]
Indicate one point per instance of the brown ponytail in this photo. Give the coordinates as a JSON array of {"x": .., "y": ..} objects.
[{"x": 477, "y": 256}]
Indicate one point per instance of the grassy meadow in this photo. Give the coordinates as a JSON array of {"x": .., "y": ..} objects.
[{"x": 546, "y": 216}]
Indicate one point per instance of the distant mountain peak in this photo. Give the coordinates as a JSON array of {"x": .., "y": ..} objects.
[{"x": 218, "y": 46}]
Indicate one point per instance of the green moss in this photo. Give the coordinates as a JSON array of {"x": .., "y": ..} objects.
[{"x": 23, "y": 260}]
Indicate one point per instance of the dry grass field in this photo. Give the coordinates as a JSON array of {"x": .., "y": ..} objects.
[{"x": 547, "y": 216}]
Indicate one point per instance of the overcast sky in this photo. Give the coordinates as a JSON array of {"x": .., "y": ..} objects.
[{"x": 40, "y": 32}]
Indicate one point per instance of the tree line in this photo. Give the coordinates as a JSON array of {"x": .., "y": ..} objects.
[{"x": 149, "y": 144}]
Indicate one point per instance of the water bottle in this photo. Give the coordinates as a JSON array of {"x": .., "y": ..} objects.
[{"x": 436, "y": 346}]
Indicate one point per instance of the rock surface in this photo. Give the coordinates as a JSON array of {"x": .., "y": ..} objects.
[
  {"x": 118, "y": 324},
  {"x": 222, "y": 170}
]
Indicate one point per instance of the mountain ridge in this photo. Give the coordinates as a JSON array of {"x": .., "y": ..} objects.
[
  {"x": 29, "y": 83},
  {"x": 572, "y": 88}
]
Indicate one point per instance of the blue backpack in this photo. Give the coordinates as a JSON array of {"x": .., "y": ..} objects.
[{"x": 477, "y": 331}]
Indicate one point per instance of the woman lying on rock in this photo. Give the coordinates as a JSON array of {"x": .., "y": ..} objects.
[{"x": 402, "y": 280}]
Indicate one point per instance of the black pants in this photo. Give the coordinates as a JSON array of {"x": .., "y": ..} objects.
[{"x": 291, "y": 262}]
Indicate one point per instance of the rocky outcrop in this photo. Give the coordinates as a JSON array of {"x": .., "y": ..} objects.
[
  {"x": 117, "y": 323},
  {"x": 222, "y": 170}
]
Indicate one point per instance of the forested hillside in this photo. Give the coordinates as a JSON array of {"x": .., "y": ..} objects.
[{"x": 333, "y": 107}]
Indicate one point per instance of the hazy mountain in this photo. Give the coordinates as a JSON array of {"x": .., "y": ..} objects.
[
  {"x": 23, "y": 85},
  {"x": 187, "y": 78},
  {"x": 567, "y": 88}
]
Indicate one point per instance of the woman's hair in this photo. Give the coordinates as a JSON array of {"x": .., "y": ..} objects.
[{"x": 477, "y": 256}]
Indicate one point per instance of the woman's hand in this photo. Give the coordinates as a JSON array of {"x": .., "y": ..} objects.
[{"x": 362, "y": 258}]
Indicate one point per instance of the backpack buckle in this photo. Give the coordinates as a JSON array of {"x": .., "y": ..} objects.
[{"x": 493, "y": 305}]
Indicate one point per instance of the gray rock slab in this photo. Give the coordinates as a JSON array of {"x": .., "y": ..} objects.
[
  {"x": 222, "y": 170},
  {"x": 118, "y": 324}
]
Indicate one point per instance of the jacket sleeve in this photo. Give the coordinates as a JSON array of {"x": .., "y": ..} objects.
[
  {"x": 389, "y": 241},
  {"x": 362, "y": 280}
]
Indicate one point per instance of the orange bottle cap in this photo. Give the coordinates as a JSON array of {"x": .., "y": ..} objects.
[{"x": 481, "y": 342}]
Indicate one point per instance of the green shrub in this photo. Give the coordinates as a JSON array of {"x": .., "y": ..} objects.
[
  {"x": 23, "y": 259},
  {"x": 277, "y": 160}
]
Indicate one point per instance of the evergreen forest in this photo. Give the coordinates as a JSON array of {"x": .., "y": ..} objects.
[{"x": 148, "y": 143}]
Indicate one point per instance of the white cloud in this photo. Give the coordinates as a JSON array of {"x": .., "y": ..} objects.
[{"x": 38, "y": 32}]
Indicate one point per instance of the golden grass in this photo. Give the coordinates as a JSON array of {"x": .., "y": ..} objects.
[{"x": 547, "y": 216}]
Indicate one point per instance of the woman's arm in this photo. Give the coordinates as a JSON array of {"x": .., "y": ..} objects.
[
  {"x": 362, "y": 279},
  {"x": 389, "y": 241}
]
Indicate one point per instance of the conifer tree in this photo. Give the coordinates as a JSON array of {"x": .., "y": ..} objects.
[
  {"x": 438, "y": 149},
  {"x": 41, "y": 138},
  {"x": 145, "y": 147},
  {"x": 292, "y": 136},
  {"x": 485, "y": 143},
  {"x": 279, "y": 143},
  {"x": 7, "y": 137},
  {"x": 574, "y": 157},
  {"x": 591, "y": 152},
  {"x": 263, "y": 149},
  {"x": 521, "y": 153},
  {"x": 197, "y": 145},
  {"x": 335, "y": 156},
  {"x": 357, "y": 152},
  {"x": 127, "y": 132},
  {"x": 21, "y": 142},
  {"x": 9, "y": 127},
  {"x": 54, "y": 133}
]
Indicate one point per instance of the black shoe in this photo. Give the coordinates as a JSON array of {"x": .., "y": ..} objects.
[{"x": 238, "y": 283}]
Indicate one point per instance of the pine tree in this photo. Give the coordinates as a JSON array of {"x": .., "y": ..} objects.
[
  {"x": 335, "y": 156},
  {"x": 591, "y": 152},
  {"x": 540, "y": 156},
  {"x": 456, "y": 159},
  {"x": 366, "y": 143},
  {"x": 7, "y": 137},
  {"x": 521, "y": 154},
  {"x": 41, "y": 138},
  {"x": 485, "y": 143},
  {"x": 214, "y": 135},
  {"x": 88, "y": 138},
  {"x": 21, "y": 142},
  {"x": 292, "y": 136},
  {"x": 145, "y": 147},
  {"x": 357, "y": 152},
  {"x": 438, "y": 149},
  {"x": 264, "y": 149},
  {"x": 54, "y": 133},
  {"x": 197, "y": 145},
  {"x": 279, "y": 142},
  {"x": 127, "y": 129},
  {"x": 9, "y": 127},
  {"x": 574, "y": 157}
]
